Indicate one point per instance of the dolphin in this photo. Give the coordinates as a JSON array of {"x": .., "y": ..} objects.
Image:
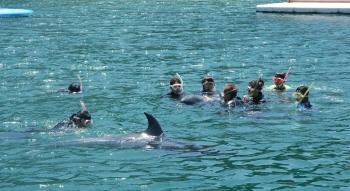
[
  {"x": 153, "y": 137},
  {"x": 192, "y": 99},
  {"x": 203, "y": 98}
]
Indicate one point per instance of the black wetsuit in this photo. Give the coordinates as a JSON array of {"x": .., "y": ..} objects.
[
  {"x": 73, "y": 121},
  {"x": 304, "y": 104},
  {"x": 235, "y": 102},
  {"x": 258, "y": 99}
]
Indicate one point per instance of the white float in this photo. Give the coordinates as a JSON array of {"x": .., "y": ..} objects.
[
  {"x": 307, "y": 6},
  {"x": 15, "y": 12}
]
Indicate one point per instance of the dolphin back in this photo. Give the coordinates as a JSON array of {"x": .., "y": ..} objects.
[
  {"x": 192, "y": 99},
  {"x": 154, "y": 128}
]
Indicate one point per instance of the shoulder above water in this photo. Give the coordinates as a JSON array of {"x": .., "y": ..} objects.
[{"x": 274, "y": 88}]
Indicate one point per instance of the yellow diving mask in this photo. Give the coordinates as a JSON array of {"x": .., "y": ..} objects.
[{"x": 299, "y": 96}]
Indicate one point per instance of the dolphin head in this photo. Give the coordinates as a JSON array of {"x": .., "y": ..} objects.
[{"x": 154, "y": 128}]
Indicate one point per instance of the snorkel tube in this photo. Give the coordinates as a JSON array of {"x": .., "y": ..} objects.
[
  {"x": 82, "y": 106},
  {"x": 308, "y": 89},
  {"x": 181, "y": 81},
  {"x": 81, "y": 83},
  {"x": 289, "y": 70},
  {"x": 179, "y": 77}
]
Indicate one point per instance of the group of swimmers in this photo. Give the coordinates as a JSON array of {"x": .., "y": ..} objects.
[
  {"x": 80, "y": 119},
  {"x": 229, "y": 95}
]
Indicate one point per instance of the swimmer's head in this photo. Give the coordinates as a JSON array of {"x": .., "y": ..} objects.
[
  {"x": 74, "y": 88},
  {"x": 82, "y": 118},
  {"x": 279, "y": 79},
  {"x": 254, "y": 87},
  {"x": 208, "y": 84},
  {"x": 176, "y": 85},
  {"x": 301, "y": 93},
  {"x": 229, "y": 92}
]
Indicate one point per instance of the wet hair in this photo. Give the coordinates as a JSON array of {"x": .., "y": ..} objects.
[
  {"x": 257, "y": 84},
  {"x": 80, "y": 115},
  {"x": 74, "y": 87},
  {"x": 230, "y": 87},
  {"x": 302, "y": 90},
  {"x": 84, "y": 115},
  {"x": 207, "y": 78},
  {"x": 175, "y": 80},
  {"x": 280, "y": 75}
]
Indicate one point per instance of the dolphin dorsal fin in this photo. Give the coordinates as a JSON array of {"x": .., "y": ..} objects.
[{"x": 154, "y": 128}]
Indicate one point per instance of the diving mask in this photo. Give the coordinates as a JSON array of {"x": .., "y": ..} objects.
[
  {"x": 177, "y": 87},
  {"x": 278, "y": 81},
  {"x": 298, "y": 96},
  {"x": 234, "y": 91}
]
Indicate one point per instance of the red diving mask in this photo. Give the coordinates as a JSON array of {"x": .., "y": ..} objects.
[{"x": 277, "y": 81}]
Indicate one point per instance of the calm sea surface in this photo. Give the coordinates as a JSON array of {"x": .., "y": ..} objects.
[{"x": 126, "y": 52}]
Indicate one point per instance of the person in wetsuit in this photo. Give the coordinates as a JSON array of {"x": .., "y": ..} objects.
[
  {"x": 230, "y": 97},
  {"x": 81, "y": 119},
  {"x": 254, "y": 90},
  {"x": 208, "y": 86},
  {"x": 206, "y": 95},
  {"x": 279, "y": 80},
  {"x": 75, "y": 87},
  {"x": 176, "y": 87},
  {"x": 301, "y": 95}
]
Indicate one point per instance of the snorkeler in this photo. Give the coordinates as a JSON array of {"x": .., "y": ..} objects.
[
  {"x": 301, "y": 95},
  {"x": 230, "y": 97},
  {"x": 207, "y": 94},
  {"x": 75, "y": 87},
  {"x": 176, "y": 87},
  {"x": 81, "y": 119},
  {"x": 208, "y": 86},
  {"x": 255, "y": 95},
  {"x": 279, "y": 80}
]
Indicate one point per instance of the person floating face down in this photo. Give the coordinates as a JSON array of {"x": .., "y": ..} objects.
[
  {"x": 278, "y": 81},
  {"x": 208, "y": 85},
  {"x": 81, "y": 119},
  {"x": 230, "y": 97},
  {"x": 75, "y": 87},
  {"x": 254, "y": 90},
  {"x": 301, "y": 95},
  {"x": 176, "y": 86}
]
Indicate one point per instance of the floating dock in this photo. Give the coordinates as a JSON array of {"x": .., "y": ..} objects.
[
  {"x": 307, "y": 6},
  {"x": 15, "y": 12}
]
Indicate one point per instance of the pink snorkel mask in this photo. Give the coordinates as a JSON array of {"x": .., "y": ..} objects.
[{"x": 278, "y": 81}]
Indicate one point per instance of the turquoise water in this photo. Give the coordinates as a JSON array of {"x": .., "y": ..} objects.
[{"x": 127, "y": 51}]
